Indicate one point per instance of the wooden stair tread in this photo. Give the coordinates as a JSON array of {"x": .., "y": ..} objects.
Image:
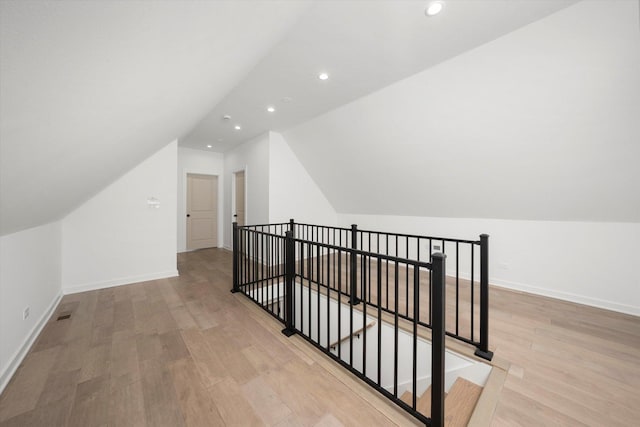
[
  {"x": 460, "y": 402},
  {"x": 423, "y": 403},
  {"x": 407, "y": 397}
]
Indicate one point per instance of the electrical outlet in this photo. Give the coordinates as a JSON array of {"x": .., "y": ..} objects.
[{"x": 25, "y": 313}]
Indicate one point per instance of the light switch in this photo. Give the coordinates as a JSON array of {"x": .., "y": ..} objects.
[{"x": 152, "y": 202}]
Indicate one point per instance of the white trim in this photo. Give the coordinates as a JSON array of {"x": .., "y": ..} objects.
[
  {"x": 567, "y": 296},
  {"x": 244, "y": 169},
  {"x": 118, "y": 282},
  {"x": 20, "y": 354}
]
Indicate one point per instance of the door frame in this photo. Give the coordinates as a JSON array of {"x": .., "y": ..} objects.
[
  {"x": 182, "y": 218},
  {"x": 244, "y": 169}
]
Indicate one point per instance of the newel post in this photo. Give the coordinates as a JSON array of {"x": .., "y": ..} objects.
[
  {"x": 353, "y": 296},
  {"x": 483, "y": 348},
  {"x": 289, "y": 268},
  {"x": 438, "y": 305},
  {"x": 236, "y": 256},
  {"x": 292, "y": 229}
]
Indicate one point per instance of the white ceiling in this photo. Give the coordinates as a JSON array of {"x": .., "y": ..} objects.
[
  {"x": 364, "y": 46},
  {"x": 90, "y": 89}
]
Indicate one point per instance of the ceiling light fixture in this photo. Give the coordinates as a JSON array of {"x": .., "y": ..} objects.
[
  {"x": 237, "y": 127},
  {"x": 209, "y": 146},
  {"x": 271, "y": 109},
  {"x": 323, "y": 76},
  {"x": 434, "y": 8}
]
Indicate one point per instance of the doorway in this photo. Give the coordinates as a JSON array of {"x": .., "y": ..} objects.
[
  {"x": 202, "y": 211},
  {"x": 239, "y": 216}
]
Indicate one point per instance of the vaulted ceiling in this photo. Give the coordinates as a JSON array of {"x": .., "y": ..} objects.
[
  {"x": 90, "y": 89},
  {"x": 540, "y": 124},
  {"x": 363, "y": 46}
]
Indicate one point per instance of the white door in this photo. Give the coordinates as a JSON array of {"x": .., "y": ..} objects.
[
  {"x": 239, "y": 215},
  {"x": 202, "y": 211}
]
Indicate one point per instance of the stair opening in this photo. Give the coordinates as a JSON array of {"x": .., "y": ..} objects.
[{"x": 377, "y": 305}]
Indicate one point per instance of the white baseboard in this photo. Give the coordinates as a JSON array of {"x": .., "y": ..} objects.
[
  {"x": 564, "y": 296},
  {"x": 184, "y": 251},
  {"x": 567, "y": 296},
  {"x": 118, "y": 282},
  {"x": 20, "y": 354}
]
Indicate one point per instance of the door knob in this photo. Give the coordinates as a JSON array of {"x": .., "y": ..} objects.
[{"x": 188, "y": 215}]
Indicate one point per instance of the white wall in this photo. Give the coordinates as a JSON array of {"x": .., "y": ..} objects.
[
  {"x": 116, "y": 238},
  {"x": 91, "y": 89},
  {"x": 201, "y": 162},
  {"x": 540, "y": 124},
  {"x": 531, "y": 138},
  {"x": 292, "y": 191},
  {"x": 591, "y": 263},
  {"x": 252, "y": 157},
  {"x": 278, "y": 187},
  {"x": 30, "y": 272}
]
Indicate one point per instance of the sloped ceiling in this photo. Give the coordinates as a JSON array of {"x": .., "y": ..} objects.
[
  {"x": 364, "y": 45},
  {"x": 541, "y": 124},
  {"x": 90, "y": 89}
]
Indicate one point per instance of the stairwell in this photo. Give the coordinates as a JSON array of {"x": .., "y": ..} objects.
[{"x": 462, "y": 374}]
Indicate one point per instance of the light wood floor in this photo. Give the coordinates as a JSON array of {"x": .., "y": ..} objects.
[{"x": 185, "y": 351}]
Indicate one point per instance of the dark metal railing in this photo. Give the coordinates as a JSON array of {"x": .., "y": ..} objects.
[
  {"x": 306, "y": 274},
  {"x": 259, "y": 265},
  {"x": 467, "y": 277}
]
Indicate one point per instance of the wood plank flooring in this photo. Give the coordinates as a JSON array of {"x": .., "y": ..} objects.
[
  {"x": 185, "y": 351},
  {"x": 570, "y": 364}
]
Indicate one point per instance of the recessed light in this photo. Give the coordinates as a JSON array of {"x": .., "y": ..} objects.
[
  {"x": 323, "y": 76},
  {"x": 237, "y": 127},
  {"x": 271, "y": 109},
  {"x": 226, "y": 117},
  {"x": 209, "y": 146},
  {"x": 434, "y": 8}
]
